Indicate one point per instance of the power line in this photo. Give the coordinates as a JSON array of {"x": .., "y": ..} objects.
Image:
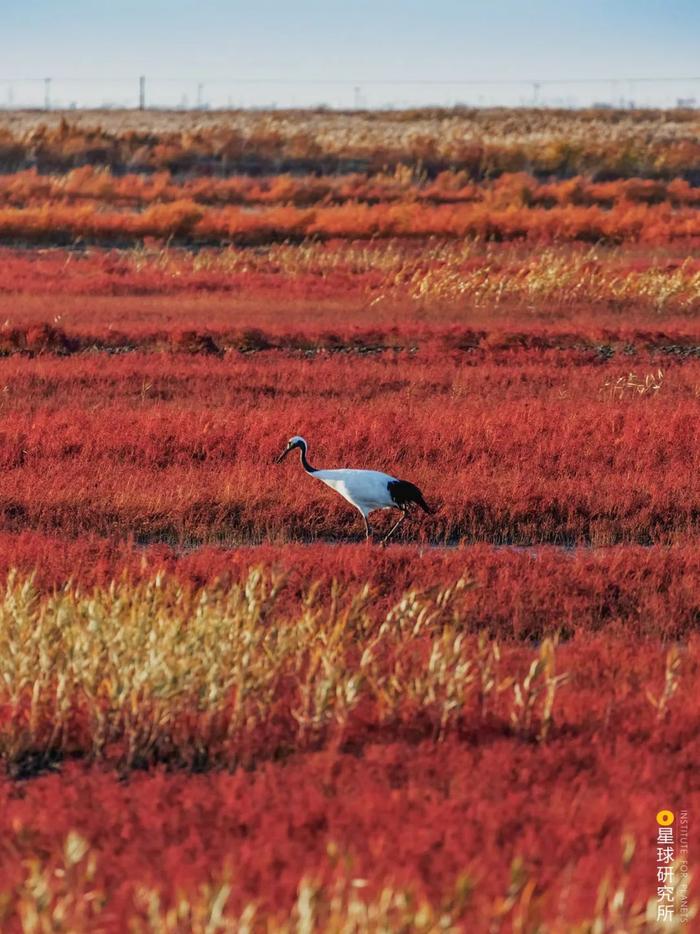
[{"x": 356, "y": 81}]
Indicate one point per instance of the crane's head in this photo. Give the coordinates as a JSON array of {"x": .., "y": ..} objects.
[{"x": 295, "y": 442}]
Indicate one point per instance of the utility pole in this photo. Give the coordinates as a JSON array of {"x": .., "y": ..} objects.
[
  {"x": 535, "y": 93},
  {"x": 200, "y": 96},
  {"x": 142, "y": 92},
  {"x": 47, "y": 93},
  {"x": 613, "y": 93}
]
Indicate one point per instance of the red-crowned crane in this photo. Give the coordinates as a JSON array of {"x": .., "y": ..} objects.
[{"x": 366, "y": 490}]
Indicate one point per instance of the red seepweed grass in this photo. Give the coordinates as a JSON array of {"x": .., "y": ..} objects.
[{"x": 514, "y": 445}]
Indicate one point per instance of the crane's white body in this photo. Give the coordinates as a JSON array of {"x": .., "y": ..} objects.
[{"x": 366, "y": 490}]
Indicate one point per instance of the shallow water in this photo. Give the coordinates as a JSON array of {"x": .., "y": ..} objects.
[{"x": 229, "y": 542}]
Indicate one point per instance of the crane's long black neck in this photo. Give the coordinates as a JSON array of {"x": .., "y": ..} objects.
[{"x": 304, "y": 463}]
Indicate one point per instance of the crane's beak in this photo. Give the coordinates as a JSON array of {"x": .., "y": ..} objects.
[{"x": 283, "y": 454}]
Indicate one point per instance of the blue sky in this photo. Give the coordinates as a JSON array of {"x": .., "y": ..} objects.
[{"x": 178, "y": 44}]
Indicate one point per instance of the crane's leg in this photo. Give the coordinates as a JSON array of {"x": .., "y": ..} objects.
[
  {"x": 391, "y": 531},
  {"x": 368, "y": 531}
]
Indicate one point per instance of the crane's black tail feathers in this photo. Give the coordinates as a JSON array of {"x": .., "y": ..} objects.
[{"x": 404, "y": 493}]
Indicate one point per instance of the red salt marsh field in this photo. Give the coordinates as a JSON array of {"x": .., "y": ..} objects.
[{"x": 219, "y": 707}]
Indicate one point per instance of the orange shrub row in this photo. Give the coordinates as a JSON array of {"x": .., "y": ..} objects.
[
  {"x": 89, "y": 184},
  {"x": 190, "y": 222}
]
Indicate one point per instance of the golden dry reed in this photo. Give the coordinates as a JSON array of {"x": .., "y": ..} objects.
[
  {"x": 148, "y": 672},
  {"x": 66, "y": 894},
  {"x": 483, "y": 274}
]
